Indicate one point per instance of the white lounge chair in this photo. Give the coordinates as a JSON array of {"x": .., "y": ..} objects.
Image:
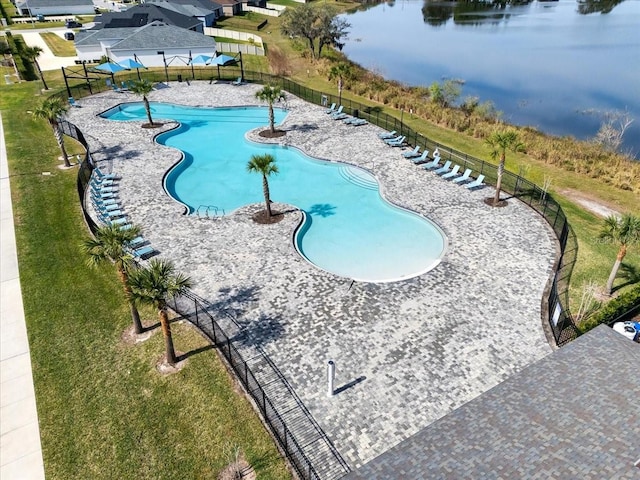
[
  {"x": 331, "y": 109},
  {"x": 387, "y": 135},
  {"x": 476, "y": 183},
  {"x": 421, "y": 158},
  {"x": 452, "y": 173},
  {"x": 337, "y": 113},
  {"x": 412, "y": 153},
  {"x": 445, "y": 168},
  {"x": 432, "y": 164},
  {"x": 464, "y": 177}
]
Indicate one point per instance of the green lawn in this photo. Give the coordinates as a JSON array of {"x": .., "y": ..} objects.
[
  {"x": 58, "y": 45},
  {"x": 104, "y": 410}
]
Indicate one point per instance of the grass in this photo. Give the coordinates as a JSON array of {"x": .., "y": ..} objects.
[
  {"x": 58, "y": 45},
  {"x": 104, "y": 410}
]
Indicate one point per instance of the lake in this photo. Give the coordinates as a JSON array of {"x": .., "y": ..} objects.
[{"x": 557, "y": 66}]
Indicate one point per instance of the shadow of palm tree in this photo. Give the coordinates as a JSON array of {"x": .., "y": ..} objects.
[
  {"x": 186, "y": 355},
  {"x": 322, "y": 209},
  {"x": 260, "y": 331},
  {"x": 630, "y": 273}
]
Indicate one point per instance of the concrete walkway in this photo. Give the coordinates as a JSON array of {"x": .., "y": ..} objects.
[{"x": 20, "y": 452}]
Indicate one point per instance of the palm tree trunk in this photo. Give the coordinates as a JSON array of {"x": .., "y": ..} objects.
[
  {"x": 496, "y": 198},
  {"x": 272, "y": 119},
  {"x": 60, "y": 140},
  {"x": 135, "y": 315},
  {"x": 147, "y": 107},
  {"x": 166, "y": 332},
  {"x": 40, "y": 73},
  {"x": 265, "y": 189},
  {"x": 616, "y": 266}
]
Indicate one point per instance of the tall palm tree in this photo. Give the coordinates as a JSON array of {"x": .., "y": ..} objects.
[
  {"x": 32, "y": 53},
  {"x": 143, "y": 87},
  {"x": 51, "y": 110},
  {"x": 500, "y": 142},
  {"x": 342, "y": 71},
  {"x": 265, "y": 165},
  {"x": 110, "y": 244},
  {"x": 154, "y": 285},
  {"x": 270, "y": 94},
  {"x": 624, "y": 231}
]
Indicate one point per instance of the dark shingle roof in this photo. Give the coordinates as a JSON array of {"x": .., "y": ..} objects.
[
  {"x": 164, "y": 36},
  {"x": 575, "y": 414},
  {"x": 142, "y": 15}
]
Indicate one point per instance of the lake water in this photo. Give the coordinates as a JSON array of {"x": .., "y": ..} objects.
[{"x": 542, "y": 64}]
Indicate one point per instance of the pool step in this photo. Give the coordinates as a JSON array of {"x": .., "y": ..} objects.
[{"x": 358, "y": 177}]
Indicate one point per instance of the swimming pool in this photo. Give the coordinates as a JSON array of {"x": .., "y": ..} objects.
[{"x": 349, "y": 228}]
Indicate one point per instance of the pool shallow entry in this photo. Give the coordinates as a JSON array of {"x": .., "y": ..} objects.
[{"x": 349, "y": 229}]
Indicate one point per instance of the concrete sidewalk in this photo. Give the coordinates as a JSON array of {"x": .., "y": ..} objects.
[{"x": 20, "y": 451}]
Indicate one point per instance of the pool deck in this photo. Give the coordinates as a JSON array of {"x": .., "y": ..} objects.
[{"x": 419, "y": 348}]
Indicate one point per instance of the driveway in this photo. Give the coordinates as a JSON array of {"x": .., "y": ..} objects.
[{"x": 47, "y": 60}]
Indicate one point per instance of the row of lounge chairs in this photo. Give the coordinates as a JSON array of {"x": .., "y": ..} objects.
[
  {"x": 103, "y": 194},
  {"x": 338, "y": 114}
]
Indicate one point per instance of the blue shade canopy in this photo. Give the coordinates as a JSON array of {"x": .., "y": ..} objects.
[
  {"x": 201, "y": 60},
  {"x": 110, "y": 67},
  {"x": 222, "y": 60},
  {"x": 129, "y": 63}
]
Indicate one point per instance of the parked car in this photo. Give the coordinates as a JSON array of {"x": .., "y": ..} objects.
[
  {"x": 628, "y": 329},
  {"x": 72, "y": 24},
  {"x": 69, "y": 36}
]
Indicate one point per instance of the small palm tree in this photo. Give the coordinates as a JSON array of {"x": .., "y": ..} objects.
[
  {"x": 154, "y": 285},
  {"x": 270, "y": 95},
  {"x": 143, "y": 87},
  {"x": 624, "y": 231},
  {"x": 500, "y": 142},
  {"x": 342, "y": 71},
  {"x": 265, "y": 165},
  {"x": 110, "y": 244},
  {"x": 51, "y": 110},
  {"x": 32, "y": 53}
]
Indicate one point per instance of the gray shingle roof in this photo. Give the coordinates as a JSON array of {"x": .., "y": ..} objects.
[
  {"x": 163, "y": 36},
  {"x": 575, "y": 414},
  {"x": 194, "y": 8},
  {"x": 144, "y": 14}
]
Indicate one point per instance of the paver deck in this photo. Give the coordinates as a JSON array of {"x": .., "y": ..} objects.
[{"x": 419, "y": 348}]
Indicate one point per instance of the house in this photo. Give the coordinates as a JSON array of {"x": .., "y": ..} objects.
[
  {"x": 154, "y": 44},
  {"x": 141, "y": 15},
  {"x": 204, "y": 10},
  {"x": 231, "y": 7},
  {"x": 55, "y": 7},
  {"x": 573, "y": 414}
]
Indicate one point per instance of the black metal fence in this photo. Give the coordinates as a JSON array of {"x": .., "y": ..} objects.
[{"x": 332, "y": 465}]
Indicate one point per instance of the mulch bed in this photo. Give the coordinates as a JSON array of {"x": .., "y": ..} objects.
[
  {"x": 152, "y": 125},
  {"x": 263, "y": 218},
  {"x": 500, "y": 204},
  {"x": 270, "y": 134}
]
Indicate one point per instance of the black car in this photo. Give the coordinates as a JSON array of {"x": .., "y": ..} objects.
[
  {"x": 72, "y": 24},
  {"x": 69, "y": 36}
]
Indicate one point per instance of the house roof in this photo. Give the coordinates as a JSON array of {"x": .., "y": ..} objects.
[
  {"x": 573, "y": 414},
  {"x": 157, "y": 35},
  {"x": 58, "y": 3},
  {"x": 142, "y": 15},
  {"x": 194, "y": 8}
]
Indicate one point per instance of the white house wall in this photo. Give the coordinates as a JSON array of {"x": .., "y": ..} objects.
[
  {"x": 175, "y": 57},
  {"x": 63, "y": 10}
]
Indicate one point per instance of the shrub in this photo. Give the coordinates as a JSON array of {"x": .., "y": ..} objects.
[{"x": 613, "y": 309}]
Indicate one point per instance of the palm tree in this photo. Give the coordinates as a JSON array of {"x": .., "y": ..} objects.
[
  {"x": 624, "y": 231},
  {"x": 51, "y": 110},
  {"x": 342, "y": 71},
  {"x": 154, "y": 285},
  {"x": 265, "y": 165},
  {"x": 32, "y": 53},
  {"x": 500, "y": 142},
  {"x": 270, "y": 95},
  {"x": 142, "y": 87},
  {"x": 110, "y": 243}
]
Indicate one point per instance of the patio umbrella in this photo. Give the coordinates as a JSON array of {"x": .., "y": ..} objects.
[
  {"x": 221, "y": 60},
  {"x": 110, "y": 67},
  {"x": 201, "y": 60},
  {"x": 130, "y": 63}
]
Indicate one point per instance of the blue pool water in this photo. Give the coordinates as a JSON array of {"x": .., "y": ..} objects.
[{"x": 349, "y": 230}]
